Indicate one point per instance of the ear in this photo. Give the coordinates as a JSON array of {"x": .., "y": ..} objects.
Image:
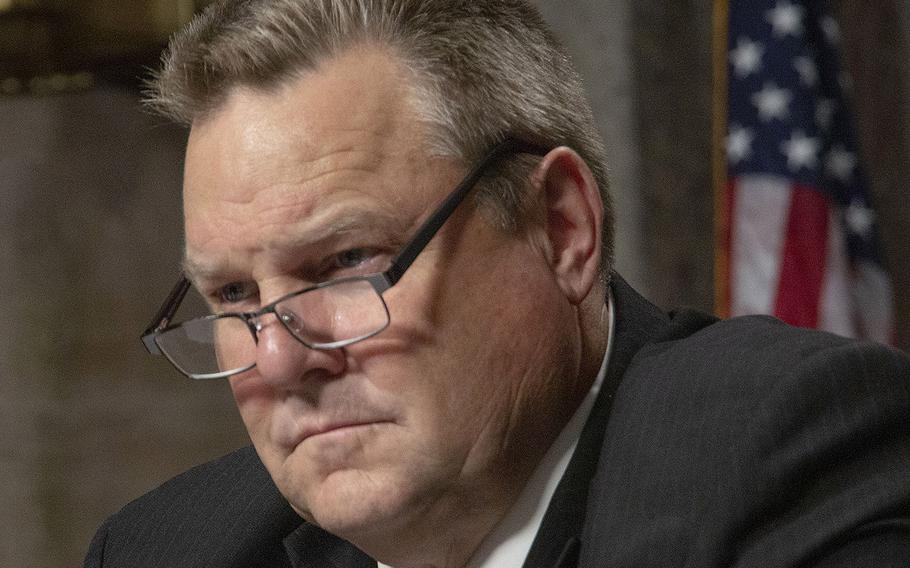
[{"x": 573, "y": 220}]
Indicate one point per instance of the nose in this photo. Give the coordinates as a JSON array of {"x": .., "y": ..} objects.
[{"x": 285, "y": 363}]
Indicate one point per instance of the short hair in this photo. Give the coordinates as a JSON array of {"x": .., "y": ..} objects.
[{"x": 479, "y": 70}]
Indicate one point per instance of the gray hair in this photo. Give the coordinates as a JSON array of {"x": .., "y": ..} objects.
[{"x": 481, "y": 70}]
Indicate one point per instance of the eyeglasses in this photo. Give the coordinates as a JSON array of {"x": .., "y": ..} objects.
[{"x": 330, "y": 315}]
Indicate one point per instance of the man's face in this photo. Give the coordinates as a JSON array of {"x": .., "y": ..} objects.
[{"x": 444, "y": 413}]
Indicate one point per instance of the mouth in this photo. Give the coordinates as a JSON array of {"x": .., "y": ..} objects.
[
  {"x": 333, "y": 430},
  {"x": 338, "y": 428}
]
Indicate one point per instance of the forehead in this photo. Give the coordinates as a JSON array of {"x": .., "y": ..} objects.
[
  {"x": 354, "y": 103},
  {"x": 338, "y": 139}
]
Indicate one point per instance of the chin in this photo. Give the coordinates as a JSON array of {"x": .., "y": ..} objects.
[{"x": 353, "y": 504}]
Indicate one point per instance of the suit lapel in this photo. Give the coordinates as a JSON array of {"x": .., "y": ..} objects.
[{"x": 558, "y": 540}]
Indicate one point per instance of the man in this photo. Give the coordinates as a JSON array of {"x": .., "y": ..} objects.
[{"x": 396, "y": 209}]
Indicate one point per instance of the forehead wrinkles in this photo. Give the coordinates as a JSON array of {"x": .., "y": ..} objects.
[
  {"x": 352, "y": 114},
  {"x": 261, "y": 216},
  {"x": 329, "y": 225},
  {"x": 237, "y": 160}
]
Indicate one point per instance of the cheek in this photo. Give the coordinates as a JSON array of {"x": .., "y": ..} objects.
[
  {"x": 469, "y": 347},
  {"x": 254, "y": 401}
]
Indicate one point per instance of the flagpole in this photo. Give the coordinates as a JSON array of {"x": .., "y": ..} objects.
[{"x": 719, "y": 161}]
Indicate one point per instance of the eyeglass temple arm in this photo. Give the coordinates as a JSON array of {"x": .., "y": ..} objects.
[
  {"x": 165, "y": 314},
  {"x": 432, "y": 225}
]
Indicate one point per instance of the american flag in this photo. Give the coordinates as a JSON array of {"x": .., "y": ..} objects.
[{"x": 802, "y": 241}]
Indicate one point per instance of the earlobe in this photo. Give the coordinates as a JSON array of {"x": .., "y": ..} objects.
[{"x": 574, "y": 215}]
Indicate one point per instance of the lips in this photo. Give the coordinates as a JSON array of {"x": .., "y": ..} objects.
[
  {"x": 335, "y": 427},
  {"x": 292, "y": 434}
]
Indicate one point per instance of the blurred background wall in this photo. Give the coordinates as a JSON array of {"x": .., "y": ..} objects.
[{"x": 90, "y": 228}]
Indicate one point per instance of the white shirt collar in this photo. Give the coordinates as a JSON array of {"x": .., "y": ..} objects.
[{"x": 508, "y": 544}]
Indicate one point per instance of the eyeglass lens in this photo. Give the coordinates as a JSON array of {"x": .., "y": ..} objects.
[{"x": 327, "y": 317}]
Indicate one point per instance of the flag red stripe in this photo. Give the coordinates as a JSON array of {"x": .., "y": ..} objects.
[{"x": 802, "y": 270}]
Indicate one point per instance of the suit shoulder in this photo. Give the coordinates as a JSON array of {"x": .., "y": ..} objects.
[
  {"x": 228, "y": 508},
  {"x": 747, "y": 382},
  {"x": 751, "y": 442},
  {"x": 749, "y": 366},
  {"x": 751, "y": 348},
  {"x": 238, "y": 471}
]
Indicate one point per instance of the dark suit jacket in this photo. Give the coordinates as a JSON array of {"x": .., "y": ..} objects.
[{"x": 735, "y": 443}]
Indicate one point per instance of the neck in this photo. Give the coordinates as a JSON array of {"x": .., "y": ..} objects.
[{"x": 595, "y": 333}]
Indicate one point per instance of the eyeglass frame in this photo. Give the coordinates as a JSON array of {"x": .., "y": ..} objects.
[{"x": 380, "y": 281}]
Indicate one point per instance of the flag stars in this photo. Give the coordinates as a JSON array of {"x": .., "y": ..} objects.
[
  {"x": 824, "y": 113},
  {"x": 772, "y": 102},
  {"x": 786, "y": 19},
  {"x": 830, "y": 29},
  {"x": 860, "y": 219},
  {"x": 808, "y": 72},
  {"x": 840, "y": 164},
  {"x": 801, "y": 151},
  {"x": 739, "y": 144},
  {"x": 746, "y": 58}
]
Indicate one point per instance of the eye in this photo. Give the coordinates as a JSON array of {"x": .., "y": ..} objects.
[
  {"x": 354, "y": 261},
  {"x": 353, "y": 258},
  {"x": 235, "y": 292}
]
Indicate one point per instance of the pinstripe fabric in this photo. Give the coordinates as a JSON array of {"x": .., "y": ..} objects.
[
  {"x": 224, "y": 514},
  {"x": 739, "y": 443},
  {"x": 311, "y": 547},
  {"x": 750, "y": 443}
]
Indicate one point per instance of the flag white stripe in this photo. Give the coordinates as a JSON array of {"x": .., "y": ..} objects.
[{"x": 760, "y": 212}]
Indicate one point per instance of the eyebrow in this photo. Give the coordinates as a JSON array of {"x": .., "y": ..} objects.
[{"x": 349, "y": 221}]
